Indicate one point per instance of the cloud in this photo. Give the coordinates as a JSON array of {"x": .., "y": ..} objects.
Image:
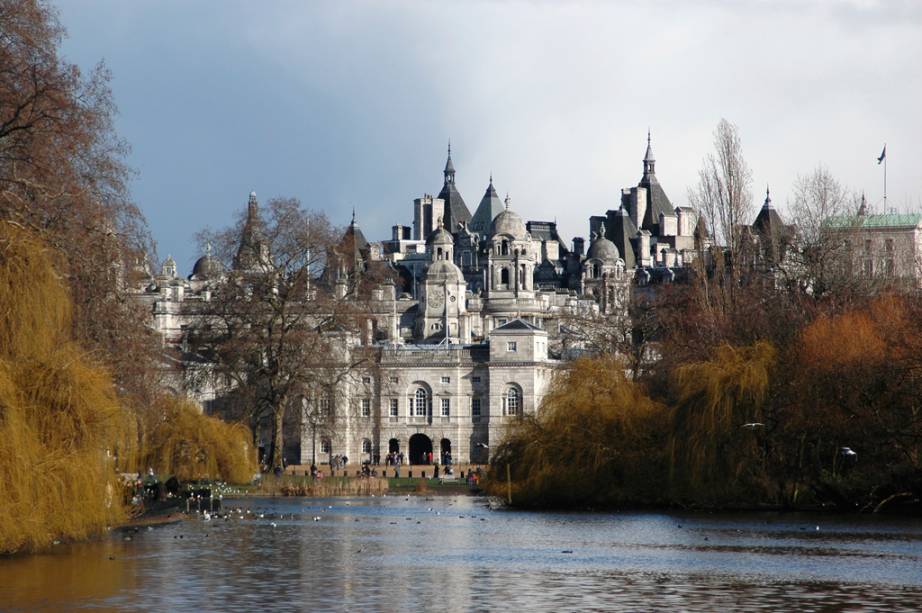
[{"x": 352, "y": 103}]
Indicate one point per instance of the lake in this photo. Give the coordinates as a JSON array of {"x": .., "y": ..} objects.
[{"x": 418, "y": 554}]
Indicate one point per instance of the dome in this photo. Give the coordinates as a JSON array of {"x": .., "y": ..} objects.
[
  {"x": 603, "y": 249},
  {"x": 440, "y": 237},
  {"x": 207, "y": 267},
  {"x": 444, "y": 270},
  {"x": 508, "y": 222}
]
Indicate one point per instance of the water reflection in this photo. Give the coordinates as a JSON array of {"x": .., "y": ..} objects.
[{"x": 395, "y": 553}]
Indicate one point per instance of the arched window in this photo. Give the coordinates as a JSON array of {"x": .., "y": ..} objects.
[
  {"x": 420, "y": 402},
  {"x": 512, "y": 401},
  {"x": 439, "y": 253},
  {"x": 504, "y": 248},
  {"x": 596, "y": 270},
  {"x": 325, "y": 445},
  {"x": 366, "y": 445}
]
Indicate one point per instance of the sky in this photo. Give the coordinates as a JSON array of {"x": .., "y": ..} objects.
[{"x": 351, "y": 104}]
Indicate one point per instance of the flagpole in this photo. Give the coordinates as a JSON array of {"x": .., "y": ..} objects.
[{"x": 886, "y": 210}]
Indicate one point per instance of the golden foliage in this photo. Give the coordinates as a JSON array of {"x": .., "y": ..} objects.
[
  {"x": 59, "y": 414},
  {"x": 597, "y": 440},
  {"x": 842, "y": 340},
  {"x": 191, "y": 445},
  {"x": 715, "y": 398}
]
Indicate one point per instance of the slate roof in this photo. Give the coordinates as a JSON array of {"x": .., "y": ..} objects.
[
  {"x": 456, "y": 211},
  {"x": 657, "y": 202},
  {"x": 620, "y": 230},
  {"x": 353, "y": 240},
  {"x": 490, "y": 206}
]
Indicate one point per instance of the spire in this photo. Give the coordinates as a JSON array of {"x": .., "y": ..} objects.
[
  {"x": 648, "y": 159},
  {"x": 353, "y": 215},
  {"x": 449, "y": 167},
  {"x": 863, "y": 209},
  {"x": 768, "y": 199}
]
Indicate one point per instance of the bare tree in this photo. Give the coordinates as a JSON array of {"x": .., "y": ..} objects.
[
  {"x": 63, "y": 176},
  {"x": 723, "y": 194},
  {"x": 278, "y": 327}
]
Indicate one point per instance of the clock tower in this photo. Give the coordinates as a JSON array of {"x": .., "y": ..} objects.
[{"x": 443, "y": 303}]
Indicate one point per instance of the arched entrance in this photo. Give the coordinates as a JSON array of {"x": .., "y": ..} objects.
[
  {"x": 445, "y": 447},
  {"x": 420, "y": 448},
  {"x": 393, "y": 446}
]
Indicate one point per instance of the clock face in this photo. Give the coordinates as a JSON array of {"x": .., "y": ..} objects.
[{"x": 436, "y": 296}]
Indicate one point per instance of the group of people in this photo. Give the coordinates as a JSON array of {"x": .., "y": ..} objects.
[
  {"x": 394, "y": 458},
  {"x": 338, "y": 461}
]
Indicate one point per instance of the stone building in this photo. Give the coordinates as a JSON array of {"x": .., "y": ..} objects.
[{"x": 467, "y": 338}]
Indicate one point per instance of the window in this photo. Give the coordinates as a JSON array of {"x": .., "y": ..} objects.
[
  {"x": 475, "y": 407},
  {"x": 446, "y": 407},
  {"x": 889, "y": 245},
  {"x": 475, "y": 379},
  {"x": 891, "y": 269},
  {"x": 324, "y": 445},
  {"x": 504, "y": 250},
  {"x": 504, "y": 278},
  {"x": 394, "y": 380},
  {"x": 868, "y": 267},
  {"x": 366, "y": 407},
  {"x": 503, "y": 322},
  {"x": 366, "y": 445},
  {"x": 446, "y": 379},
  {"x": 323, "y": 405},
  {"x": 512, "y": 401},
  {"x": 394, "y": 407},
  {"x": 366, "y": 380},
  {"x": 511, "y": 346},
  {"x": 421, "y": 402},
  {"x": 867, "y": 246}
]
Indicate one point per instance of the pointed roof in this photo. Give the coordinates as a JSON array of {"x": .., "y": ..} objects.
[
  {"x": 620, "y": 231},
  {"x": 648, "y": 157},
  {"x": 253, "y": 251},
  {"x": 449, "y": 167},
  {"x": 657, "y": 200},
  {"x": 490, "y": 206},
  {"x": 456, "y": 212},
  {"x": 768, "y": 221},
  {"x": 774, "y": 234},
  {"x": 353, "y": 240},
  {"x": 517, "y": 324}
]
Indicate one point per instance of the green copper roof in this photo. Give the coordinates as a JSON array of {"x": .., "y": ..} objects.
[{"x": 889, "y": 220}]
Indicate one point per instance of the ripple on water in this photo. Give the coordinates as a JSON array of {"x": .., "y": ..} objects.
[{"x": 455, "y": 553}]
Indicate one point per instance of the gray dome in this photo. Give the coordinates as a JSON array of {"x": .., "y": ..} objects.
[
  {"x": 440, "y": 237},
  {"x": 508, "y": 222},
  {"x": 444, "y": 270},
  {"x": 207, "y": 267},
  {"x": 603, "y": 249}
]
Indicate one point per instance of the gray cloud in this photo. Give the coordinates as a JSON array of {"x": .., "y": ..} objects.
[{"x": 351, "y": 103}]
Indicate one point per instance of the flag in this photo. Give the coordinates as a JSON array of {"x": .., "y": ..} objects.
[{"x": 883, "y": 155}]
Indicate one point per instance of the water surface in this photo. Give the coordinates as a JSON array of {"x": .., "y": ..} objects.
[{"x": 456, "y": 553}]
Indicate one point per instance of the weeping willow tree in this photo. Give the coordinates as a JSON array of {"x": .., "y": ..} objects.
[
  {"x": 598, "y": 440},
  {"x": 59, "y": 413},
  {"x": 190, "y": 445},
  {"x": 718, "y": 421}
]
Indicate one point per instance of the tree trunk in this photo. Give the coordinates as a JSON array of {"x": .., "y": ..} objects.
[{"x": 278, "y": 437}]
